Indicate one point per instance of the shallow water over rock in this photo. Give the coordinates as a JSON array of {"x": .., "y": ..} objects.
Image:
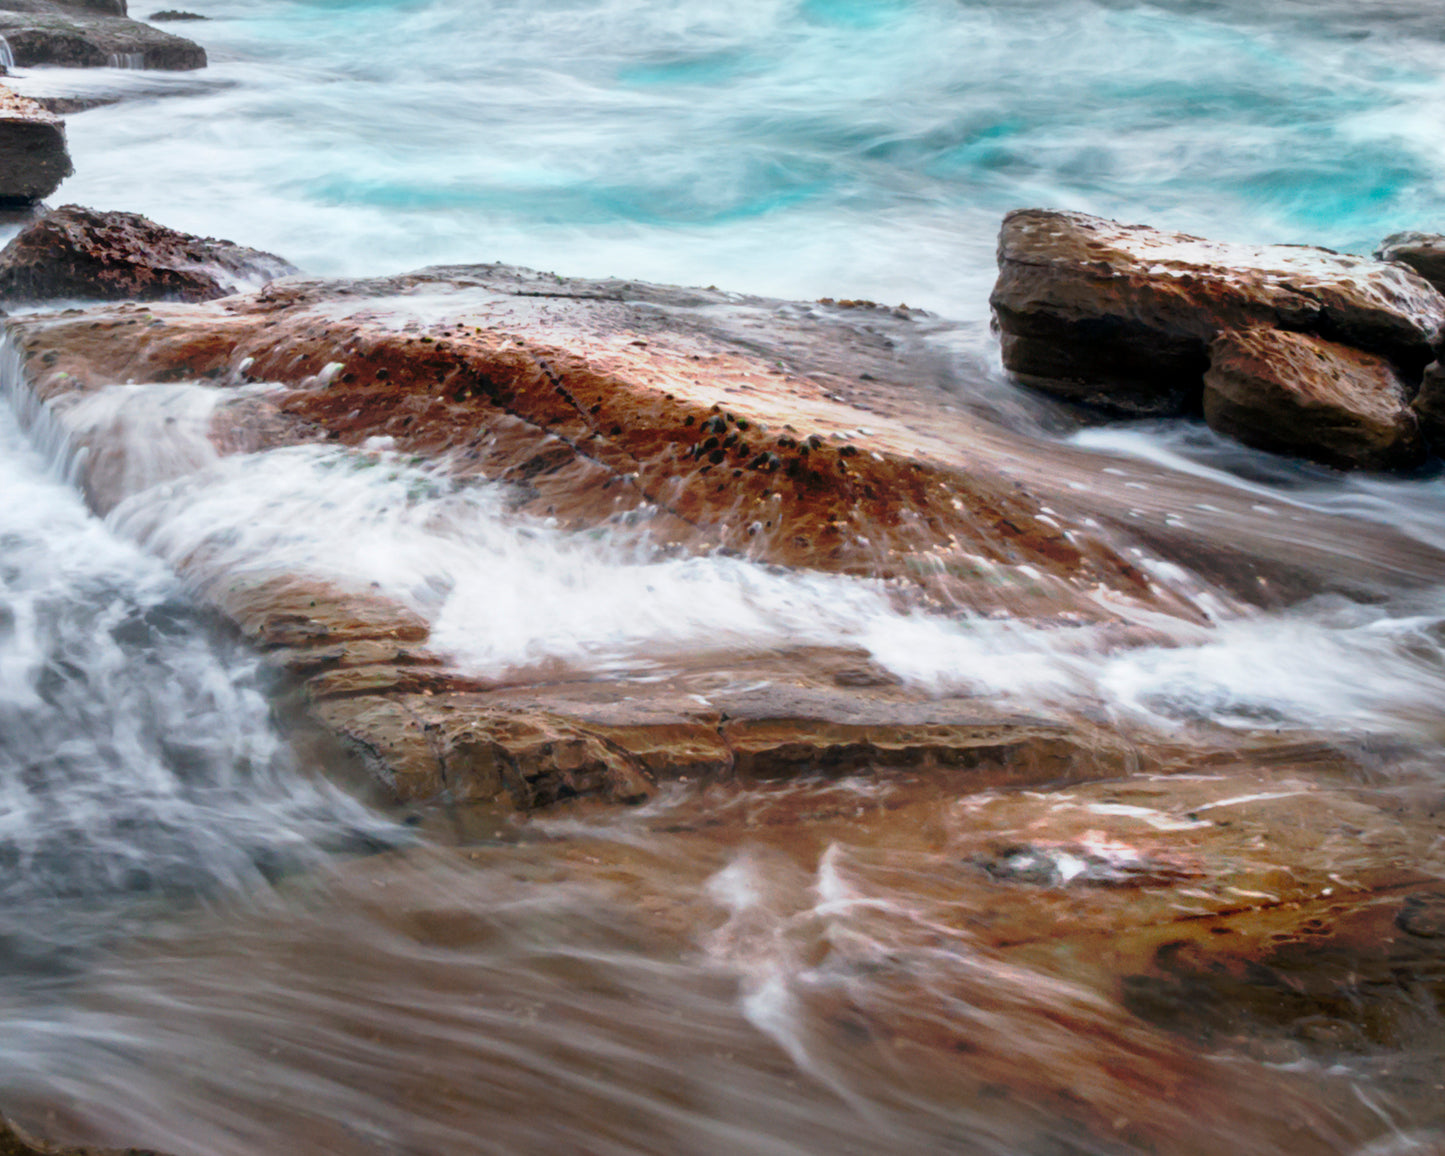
[{"x": 1076, "y": 790}]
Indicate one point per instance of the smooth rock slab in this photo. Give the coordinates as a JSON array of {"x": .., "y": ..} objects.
[
  {"x": 1295, "y": 394},
  {"x": 33, "y": 156},
  {"x": 75, "y": 252},
  {"x": 1121, "y": 316}
]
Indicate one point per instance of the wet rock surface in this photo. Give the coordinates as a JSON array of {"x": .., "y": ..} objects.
[
  {"x": 15, "y": 1143},
  {"x": 83, "y": 35},
  {"x": 1131, "y": 320},
  {"x": 1422, "y": 252},
  {"x": 1429, "y": 406},
  {"x": 687, "y": 421},
  {"x": 34, "y": 159},
  {"x": 75, "y": 252},
  {"x": 1295, "y": 394},
  {"x": 1196, "y": 926}
]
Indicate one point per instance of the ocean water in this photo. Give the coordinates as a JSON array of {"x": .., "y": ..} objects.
[
  {"x": 800, "y": 148},
  {"x": 194, "y": 954}
]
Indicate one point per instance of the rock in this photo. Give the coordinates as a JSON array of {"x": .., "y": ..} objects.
[
  {"x": 33, "y": 156},
  {"x": 1423, "y": 252},
  {"x": 682, "y": 421},
  {"x": 75, "y": 252},
  {"x": 14, "y": 1142},
  {"x": 91, "y": 35},
  {"x": 1121, "y": 316},
  {"x": 1429, "y": 406},
  {"x": 1296, "y": 394},
  {"x": 175, "y": 14}
]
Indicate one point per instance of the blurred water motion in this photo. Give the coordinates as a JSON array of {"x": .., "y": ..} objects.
[{"x": 207, "y": 949}]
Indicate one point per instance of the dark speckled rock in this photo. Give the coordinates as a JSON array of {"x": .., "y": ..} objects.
[{"x": 76, "y": 252}]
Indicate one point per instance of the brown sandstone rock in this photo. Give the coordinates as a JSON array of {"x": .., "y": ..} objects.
[
  {"x": 1296, "y": 394},
  {"x": 1121, "y": 316},
  {"x": 690, "y": 420},
  {"x": 81, "y": 253},
  {"x": 33, "y": 156}
]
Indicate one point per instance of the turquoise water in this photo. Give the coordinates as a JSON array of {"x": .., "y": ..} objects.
[{"x": 795, "y": 147}]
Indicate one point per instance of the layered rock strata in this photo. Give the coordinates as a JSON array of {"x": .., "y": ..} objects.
[
  {"x": 33, "y": 154},
  {"x": 78, "y": 34},
  {"x": 79, "y": 253}
]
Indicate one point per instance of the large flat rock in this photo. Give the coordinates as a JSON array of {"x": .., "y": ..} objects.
[
  {"x": 693, "y": 422},
  {"x": 675, "y": 422}
]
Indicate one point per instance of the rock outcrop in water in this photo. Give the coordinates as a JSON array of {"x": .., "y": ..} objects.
[
  {"x": 1264, "y": 899},
  {"x": 688, "y": 420},
  {"x": 79, "y": 253},
  {"x": 1296, "y": 394},
  {"x": 86, "y": 34},
  {"x": 682, "y": 422},
  {"x": 33, "y": 155},
  {"x": 1129, "y": 319}
]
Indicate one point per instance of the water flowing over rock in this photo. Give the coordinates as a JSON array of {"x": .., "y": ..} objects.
[
  {"x": 809, "y": 444},
  {"x": 1295, "y": 394},
  {"x": 685, "y": 422},
  {"x": 692, "y": 422},
  {"x": 14, "y": 1143},
  {"x": 79, "y": 34},
  {"x": 1122, "y": 316},
  {"x": 75, "y": 252},
  {"x": 33, "y": 156}
]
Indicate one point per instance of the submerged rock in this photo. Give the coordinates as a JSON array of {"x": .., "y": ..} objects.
[
  {"x": 1296, "y": 394},
  {"x": 13, "y": 1142},
  {"x": 75, "y": 252},
  {"x": 1122, "y": 316},
  {"x": 86, "y": 34},
  {"x": 33, "y": 156}
]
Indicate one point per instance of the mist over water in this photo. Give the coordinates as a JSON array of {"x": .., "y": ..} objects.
[{"x": 707, "y": 976}]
